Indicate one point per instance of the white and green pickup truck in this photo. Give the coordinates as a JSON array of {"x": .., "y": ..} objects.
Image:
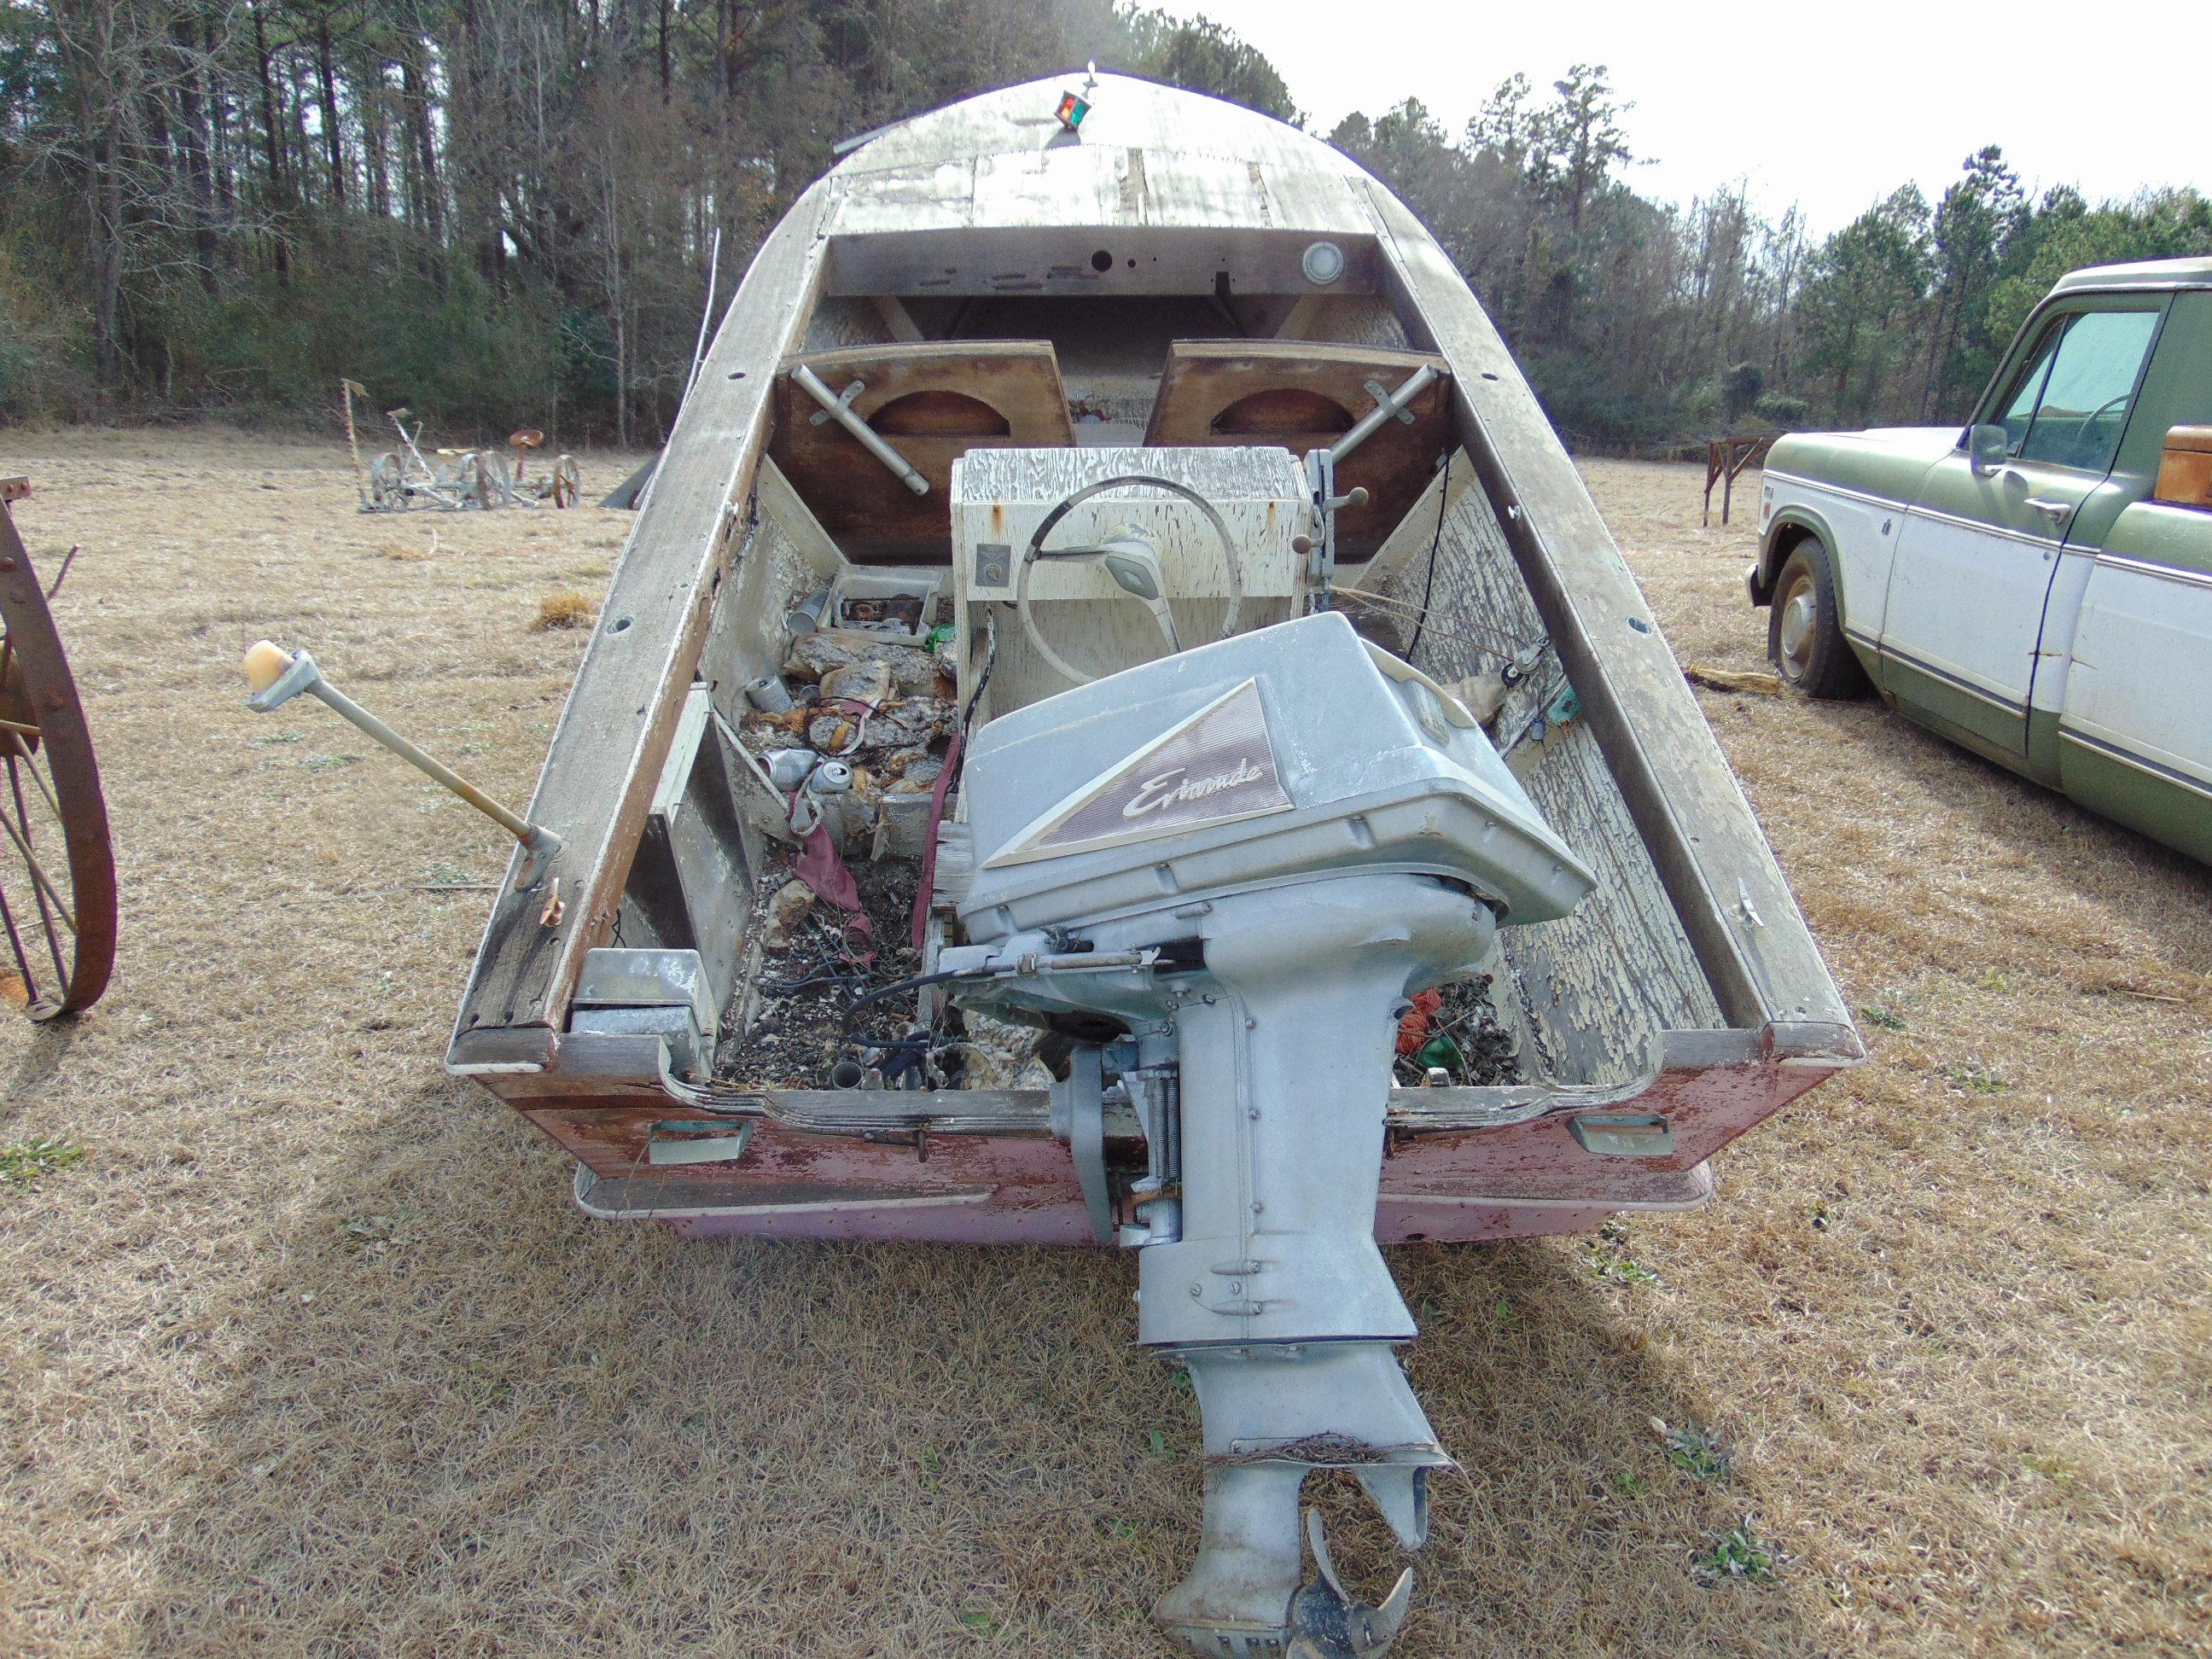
[{"x": 2039, "y": 586}]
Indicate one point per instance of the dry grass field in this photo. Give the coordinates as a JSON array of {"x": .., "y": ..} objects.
[{"x": 308, "y": 1353}]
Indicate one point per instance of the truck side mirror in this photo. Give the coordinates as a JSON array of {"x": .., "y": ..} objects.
[{"x": 1988, "y": 448}]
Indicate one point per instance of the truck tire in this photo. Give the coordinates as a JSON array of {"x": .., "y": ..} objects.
[{"x": 1805, "y": 627}]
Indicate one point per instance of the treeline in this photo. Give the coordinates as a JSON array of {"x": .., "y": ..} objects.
[
  {"x": 494, "y": 210},
  {"x": 499, "y": 211},
  {"x": 1644, "y": 324}
]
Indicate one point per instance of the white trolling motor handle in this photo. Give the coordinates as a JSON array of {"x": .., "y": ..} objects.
[{"x": 276, "y": 676}]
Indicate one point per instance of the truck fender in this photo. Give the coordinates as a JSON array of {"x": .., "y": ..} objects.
[{"x": 1790, "y": 524}]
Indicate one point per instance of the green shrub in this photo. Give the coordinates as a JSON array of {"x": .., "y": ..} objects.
[{"x": 1784, "y": 410}]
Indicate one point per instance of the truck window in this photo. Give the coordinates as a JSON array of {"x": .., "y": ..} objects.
[
  {"x": 2027, "y": 392},
  {"x": 2084, "y": 408}
]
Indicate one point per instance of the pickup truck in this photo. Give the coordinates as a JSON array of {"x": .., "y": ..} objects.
[{"x": 2038, "y": 585}]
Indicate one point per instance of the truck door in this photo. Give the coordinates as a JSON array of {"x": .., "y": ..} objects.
[
  {"x": 1976, "y": 551},
  {"x": 2135, "y": 729}
]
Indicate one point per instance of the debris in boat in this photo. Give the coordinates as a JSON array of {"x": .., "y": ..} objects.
[
  {"x": 820, "y": 868},
  {"x": 809, "y": 614},
  {"x": 867, "y": 681},
  {"x": 804, "y": 1021},
  {"x": 889, "y": 613},
  {"x": 768, "y": 693},
  {"x": 1003, "y": 1056},
  {"x": 903, "y": 823},
  {"x": 1413, "y": 1024},
  {"x": 914, "y": 672},
  {"x": 1459, "y": 1033},
  {"x": 891, "y": 745},
  {"x": 836, "y": 734},
  {"x": 1742, "y": 681},
  {"x": 908, "y": 725},
  {"x": 812, "y": 1029},
  {"x": 786, "y": 909}
]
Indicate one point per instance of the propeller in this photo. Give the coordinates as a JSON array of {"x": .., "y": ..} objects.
[{"x": 1326, "y": 1622}]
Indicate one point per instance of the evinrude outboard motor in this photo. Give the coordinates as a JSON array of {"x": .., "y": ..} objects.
[{"x": 1227, "y": 869}]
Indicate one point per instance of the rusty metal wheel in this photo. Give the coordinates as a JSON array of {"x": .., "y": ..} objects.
[
  {"x": 387, "y": 484},
  {"x": 483, "y": 482},
  {"x": 568, "y": 482},
  {"x": 56, "y": 868}
]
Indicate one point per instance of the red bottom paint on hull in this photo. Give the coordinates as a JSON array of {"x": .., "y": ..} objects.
[{"x": 1514, "y": 1181}]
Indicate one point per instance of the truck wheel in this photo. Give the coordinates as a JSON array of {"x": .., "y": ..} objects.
[{"x": 1805, "y": 628}]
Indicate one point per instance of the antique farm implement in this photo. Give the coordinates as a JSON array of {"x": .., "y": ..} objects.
[
  {"x": 452, "y": 480},
  {"x": 1116, "y": 714},
  {"x": 56, "y": 868}
]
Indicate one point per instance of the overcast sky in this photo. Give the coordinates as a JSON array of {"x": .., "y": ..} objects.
[{"x": 1830, "y": 106}]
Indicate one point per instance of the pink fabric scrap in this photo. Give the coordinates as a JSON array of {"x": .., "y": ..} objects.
[{"x": 821, "y": 869}]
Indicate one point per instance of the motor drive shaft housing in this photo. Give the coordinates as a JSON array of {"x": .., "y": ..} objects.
[{"x": 1236, "y": 863}]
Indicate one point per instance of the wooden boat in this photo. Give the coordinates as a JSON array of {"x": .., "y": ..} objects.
[
  {"x": 978, "y": 314},
  {"x": 988, "y": 249}
]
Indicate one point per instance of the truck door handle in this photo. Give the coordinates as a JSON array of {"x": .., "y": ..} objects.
[{"x": 2057, "y": 512}]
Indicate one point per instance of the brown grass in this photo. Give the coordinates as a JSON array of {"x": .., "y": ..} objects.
[
  {"x": 309, "y": 1354},
  {"x": 566, "y": 608}
]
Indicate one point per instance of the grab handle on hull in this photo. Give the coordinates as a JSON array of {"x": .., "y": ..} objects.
[
  {"x": 840, "y": 409},
  {"x": 1385, "y": 408}
]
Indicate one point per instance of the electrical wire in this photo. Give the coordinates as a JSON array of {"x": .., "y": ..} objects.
[
  {"x": 941, "y": 977},
  {"x": 1435, "y": 547},
  {"x": 990, "y": 662},
  {"x": 926, "y": 889},
  {"x": 823, "y": 972},
  {"x": 716, "y": 1098}
]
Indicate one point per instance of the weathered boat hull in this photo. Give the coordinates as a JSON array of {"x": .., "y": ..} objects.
[
  {"x": 1020, "y": 1187},
  {"x": 1687, "y": 993}
]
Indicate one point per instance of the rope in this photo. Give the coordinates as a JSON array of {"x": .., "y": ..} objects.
[{"x": 1534, "y": 647}]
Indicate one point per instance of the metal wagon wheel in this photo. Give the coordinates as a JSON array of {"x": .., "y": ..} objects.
[
  {"x": 483, "y": 482},
  {"x": 568, "y": 482},
  {"x": 387, "y": 483},
  {"x": 56, "y": 867}
]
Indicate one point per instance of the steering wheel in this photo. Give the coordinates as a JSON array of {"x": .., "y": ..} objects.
[
  {"x": 1037, "y": 550},
  {"x": 2082, "y": 432}
]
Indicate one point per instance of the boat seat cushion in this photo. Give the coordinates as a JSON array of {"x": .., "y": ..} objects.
[
  {"x": 932, "y": 401},
  {"x": 1304, "y": 395}
]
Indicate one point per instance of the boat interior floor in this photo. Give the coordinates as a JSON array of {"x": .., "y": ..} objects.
[{"x": 895, "y": 591}]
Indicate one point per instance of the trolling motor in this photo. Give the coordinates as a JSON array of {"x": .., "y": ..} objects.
[{"x": 1224, "y": 872}]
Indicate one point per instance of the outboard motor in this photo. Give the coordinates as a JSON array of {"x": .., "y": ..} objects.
[{"x": 1225, "y": 872}]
